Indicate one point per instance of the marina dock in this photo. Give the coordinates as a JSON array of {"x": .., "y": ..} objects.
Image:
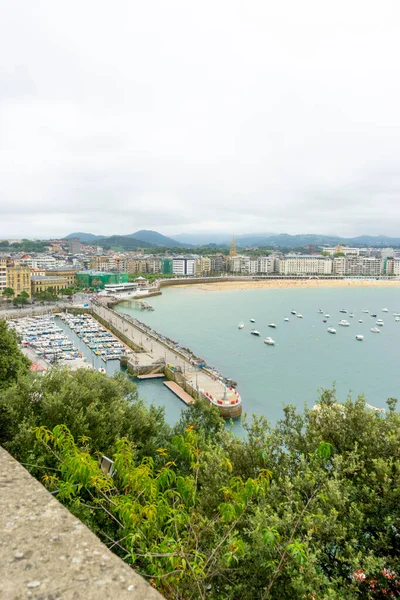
[
  {"x": 151, "y": 376},
  {"x": 155, "y": 354},
  {"x": 180, "y": 392}
]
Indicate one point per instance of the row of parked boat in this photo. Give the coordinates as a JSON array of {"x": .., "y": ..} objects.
[
  {"x": 45, "y": 338},
  {"x": 100, "y": 341}
]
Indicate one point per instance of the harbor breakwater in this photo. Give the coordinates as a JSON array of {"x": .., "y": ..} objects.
[{"x": 154, "y": 353}]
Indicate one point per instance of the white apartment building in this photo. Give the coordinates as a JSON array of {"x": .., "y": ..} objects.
[
  {"x": 154, "y": 264},
  {"x": 305, "y": 264},
  {"x": 3, "y": 274},
  {"x": 43, "y": 262},
  {"x": 363, "y": 265},
  {"x": 339, "y": 265},
  {"x": 184, "y": 266},
  {"x": 266, "y": 264},
  {"x": 396, "y": 267},
  {"x": 387, "y": 253},
  {"x": 203, "y": 266}
]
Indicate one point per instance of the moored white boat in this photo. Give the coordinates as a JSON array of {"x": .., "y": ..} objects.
[
  {"x": 252, "y": 320},
  {"x": 344, "y": 323},
  {"x": 241, "y": 326},
  {"x": 327, "y": 316},
  {"x": 375, "y": 330},
  {"x": 343, "y": 310},
  {"x": 380, "y": 323},
  {"x": 299, "y": 316},
  {"x": 293, "y": 312},
  {"x": 360, "y": 321},
  {"x": 269, "y": 341},
  {"x": 365, "y": 310},
  {"x": 397, "y": 319},
  {"x": 255, "y": 332},
  {"x": 331, "y": 330},
  {"x": 385, "y": 310},
  {"x": 272, "y": 325},
  {"x": 359, "y": 337},
  {"x": 286, "y": 319}
]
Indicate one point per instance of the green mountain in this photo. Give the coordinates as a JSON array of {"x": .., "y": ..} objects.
[
  {"x": 157, "y": 239},
  {"x": 84, "y": 237},
  {"x": 123, "y": 241}
]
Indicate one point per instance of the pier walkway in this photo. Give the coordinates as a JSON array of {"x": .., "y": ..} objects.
[
  {"x": 200, "y": 381},
  {"x": 178, "y": 391}
]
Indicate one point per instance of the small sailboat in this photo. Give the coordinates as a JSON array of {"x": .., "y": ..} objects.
[
  {"x": 252, "y": 320},
  {"x": 293, "y": 312},
  {"x": 299, "y": 316},
  {"x": 380, "y": 323},
  {"x": 331, "y": 330},
  {"x": 385, "y": 310},
  {"x": 343, "y": 310},
  {"x": 359, "y": 337},
  {"x": 272, "y": 325},
  {"x": 365, "y": 310},
  {"x": 241, "y": 326},
  {"x": 255, "y": 332},
  {"x": 397, "y": 319},
  {"x": 351, "y": 315},
  {"x": 324, "y": 320},
  {"x": 360, "y": 321},
  {"x": 344, "y": 323},
  {"x": 375, "y": 330},
  {"x": 326, "y": 316},
  {"x": 321, "y": 312},
  {"x": 269, "y": 341},
  {"x": 286, "y": 319}
]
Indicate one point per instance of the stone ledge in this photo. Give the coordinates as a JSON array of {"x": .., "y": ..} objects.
[{"x": 46, "y": 553}]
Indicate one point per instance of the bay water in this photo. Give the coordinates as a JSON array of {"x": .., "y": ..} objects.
[{"x": 305, "y": 357}]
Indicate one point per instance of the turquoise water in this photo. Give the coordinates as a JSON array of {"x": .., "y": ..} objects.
[
  {"x": 305, "y": 357},
  {"x": 152, "y": 391}
]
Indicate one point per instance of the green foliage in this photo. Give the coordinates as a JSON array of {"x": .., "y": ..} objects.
[
  {"x": 101, "y": 409},
  {"x": 13, "y": 364},
  {"x": 20, "y": 300},
  {"x": 307, "y": 509},
  {"x": 8, "y": 293},
  {"x": 50, "y": 295}
]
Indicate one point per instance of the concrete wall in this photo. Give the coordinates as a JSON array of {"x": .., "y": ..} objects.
[{"x": 47, "y": 553}]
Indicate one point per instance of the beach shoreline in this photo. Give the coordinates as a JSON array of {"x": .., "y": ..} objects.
[{"x": 220, "y": 286}]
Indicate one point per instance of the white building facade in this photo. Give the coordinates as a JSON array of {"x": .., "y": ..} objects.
[{"x": 305, "y": 264}]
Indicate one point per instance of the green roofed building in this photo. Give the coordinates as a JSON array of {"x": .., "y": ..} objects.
[
  {"x": 99, "y": 279},
  {"x": 167, "y": 266}
]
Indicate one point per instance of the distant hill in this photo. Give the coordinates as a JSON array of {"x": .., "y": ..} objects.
[
  {"x": 123, "y": 241},
  {"x": 84, "y": 237},
  {"x": 287, "y": 240},
  {"x": 152, "y": 239},
  {"x": 157, "y": 239}
]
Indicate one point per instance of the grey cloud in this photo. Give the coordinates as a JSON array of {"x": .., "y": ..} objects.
[{"x": 218, "y": 116}]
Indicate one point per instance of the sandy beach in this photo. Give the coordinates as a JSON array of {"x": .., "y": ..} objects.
[{"x": 219, "y": 286}]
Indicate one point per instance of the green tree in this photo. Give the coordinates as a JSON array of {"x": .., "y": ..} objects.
[
  {"x": 13, "y": 364},
  {"x": 20, "y": 300},
  {"x": 8, "y": 293},
  {"x": 24, "y": 294},
  {"x": 89, "y": 404}
]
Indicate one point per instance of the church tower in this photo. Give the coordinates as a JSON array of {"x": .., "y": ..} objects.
[{"x": 233, "y": 247}]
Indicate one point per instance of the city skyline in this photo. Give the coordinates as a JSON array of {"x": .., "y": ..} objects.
[{"x": 219, "y": 118}]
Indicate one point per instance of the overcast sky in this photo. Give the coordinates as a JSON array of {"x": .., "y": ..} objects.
[{"x": 175, "y": 115}]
